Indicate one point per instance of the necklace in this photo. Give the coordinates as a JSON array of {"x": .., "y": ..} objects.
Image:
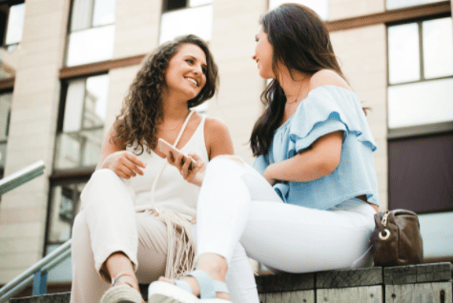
[
  {"x": 297, "y": 96},
  {"x": 167, "y": 130}
]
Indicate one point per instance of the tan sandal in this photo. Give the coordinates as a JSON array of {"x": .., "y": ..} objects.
[{"x": 122, "y": 293}]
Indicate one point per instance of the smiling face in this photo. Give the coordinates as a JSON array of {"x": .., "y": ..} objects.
[
  {"x": 186, "y": 72},
  {"x": 263, "y": 55}
]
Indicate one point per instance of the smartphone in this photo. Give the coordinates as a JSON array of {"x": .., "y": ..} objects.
[{"x": 166, "y": 147}]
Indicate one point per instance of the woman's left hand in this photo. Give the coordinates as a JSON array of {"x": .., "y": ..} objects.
[{"x": 195, "y": 175}]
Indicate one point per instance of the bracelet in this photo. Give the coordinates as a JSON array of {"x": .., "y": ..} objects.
[{"x": 114, "y": 281}]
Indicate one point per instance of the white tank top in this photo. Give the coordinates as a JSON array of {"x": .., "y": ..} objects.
[{"x": 172, "y": 191}]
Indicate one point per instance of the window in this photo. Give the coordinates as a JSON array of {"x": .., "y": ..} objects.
[
  {"x": 11, "y": 23},
  {"x": 63, "y": 207},
  {"x": 393, "y": 4},
  {"x": 92, "y": 31},
  {"x": 186, "y": 17},
  {"x": 420, "y": 58},
  {"x": 82, "y": 116},
  {"x": 321, "y": 7},
  {"x": 420, "y": 128},
  {"x": 5, "y": 116}
]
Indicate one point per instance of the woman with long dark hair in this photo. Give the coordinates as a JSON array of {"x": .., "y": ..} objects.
[
  {"x": 308, "y": 203},
  {"x": 136, "y": 212}
]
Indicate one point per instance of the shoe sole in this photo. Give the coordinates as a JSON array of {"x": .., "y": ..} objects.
[
  {"x": 163, "y": 292},
  {"x": 121, "y": 294}
]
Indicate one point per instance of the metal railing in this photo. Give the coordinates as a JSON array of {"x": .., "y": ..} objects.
[
  {"x": 22, "y": 176},
  {"x": 26, "y": 278},
  {"x": 33, "y": 274}
]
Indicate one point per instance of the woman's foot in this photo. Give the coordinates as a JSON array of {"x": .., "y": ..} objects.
[
  {"x": 207, "y": 283},
  {"x": 195, "y": 288},
  {"x": 124, "y": 290}
]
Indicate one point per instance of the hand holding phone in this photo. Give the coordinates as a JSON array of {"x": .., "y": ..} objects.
[{"x": 166, "y": 147}]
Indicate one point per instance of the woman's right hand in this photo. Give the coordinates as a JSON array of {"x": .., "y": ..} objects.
[
  {"x": 195, "y": 175},
  {"x": 124, "y": 163}
]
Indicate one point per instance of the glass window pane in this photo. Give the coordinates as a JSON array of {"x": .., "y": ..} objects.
[
  {"x": 95, "y": 108},
  {"x": 438, "y": 47},
  {"x": 78, "y": 149},
  {"x": 104, "y": 12},
  {"x": 60, "y": 217},
  {"x": 68, "y": 151},
  {"x": 82, "y": 11},
  {"x": 74, "y": 106},
  {"x": 5, "y": 114},
  {"x": 91, "y": 146},
  {"x": 404, "y": 54},
  {"x": 392, "y": 4},
  {"x": 91, "y": 45},
  {"x": 420, "y": 103},
  {"x": 197, "y": 21},
  {"x": 193, "y": 3},
  {"x": 437, "y": 234},
  {"x": 15, "y": 23},
  {"x": 321, "y": 7},
  {"x": 63, "y": 271}
]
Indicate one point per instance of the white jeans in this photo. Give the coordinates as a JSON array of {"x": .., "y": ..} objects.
[
  {"x": 108, "y": 223},
  {"x": 237, "y": 205}
]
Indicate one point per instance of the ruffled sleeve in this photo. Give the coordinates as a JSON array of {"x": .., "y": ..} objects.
[
  {"x": 328, "y": 109},
  {"x": 260, "y": 164}
]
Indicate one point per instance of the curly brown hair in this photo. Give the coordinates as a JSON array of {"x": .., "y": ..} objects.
[{"x": 142, "y": 106}]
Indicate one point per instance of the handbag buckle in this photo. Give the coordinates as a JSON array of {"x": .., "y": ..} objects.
[
  {"x": 384, "y": 218},
  {"x": 386, "y": 236}
]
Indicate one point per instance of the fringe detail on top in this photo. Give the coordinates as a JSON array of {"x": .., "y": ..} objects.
[{"x": 181, "y": 245}]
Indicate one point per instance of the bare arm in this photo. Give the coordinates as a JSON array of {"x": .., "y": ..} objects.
[
  {"x": 124, "y": 163},
  {"x": 320, "y": 160},
  {"x": 218, "y": 138}
]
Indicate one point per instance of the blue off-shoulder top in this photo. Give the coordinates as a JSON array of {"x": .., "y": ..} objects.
[{"x": 325, "y": 110}]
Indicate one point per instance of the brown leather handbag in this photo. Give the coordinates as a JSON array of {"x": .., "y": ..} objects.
[{"x": 397, "y": 238}]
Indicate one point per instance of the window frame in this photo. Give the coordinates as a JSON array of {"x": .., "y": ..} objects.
[
  {"x": 9, "y": 3},
  {"x": 69, "y": 32},
  {"x": 409, "y": 6},
  {"x": 8, "y": 122},
  {"x": 80, "y": 171},
  {"x": 164, "y": 11},
  {"x": 417, "y": 130},
  {"x": 54, "y": 182}
]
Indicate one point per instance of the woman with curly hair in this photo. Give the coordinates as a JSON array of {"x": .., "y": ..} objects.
[{"x": 129, "y": 223}]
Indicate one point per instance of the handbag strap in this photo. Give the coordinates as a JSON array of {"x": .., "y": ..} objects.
[{"x": 165, "y": 163}]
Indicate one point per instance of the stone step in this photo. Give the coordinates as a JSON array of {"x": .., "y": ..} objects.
[{"x": 400, "y": 284}]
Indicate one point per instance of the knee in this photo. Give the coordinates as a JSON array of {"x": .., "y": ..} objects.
[
  {"x": 103, "y": 174},
  {"x": 231, "y": 157},
  {"x": 79, "y": 226}
]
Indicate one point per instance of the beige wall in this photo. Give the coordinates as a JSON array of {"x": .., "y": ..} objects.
[
  {"x": 233, "y": 44},
  {"x": 32, "y": 133}
]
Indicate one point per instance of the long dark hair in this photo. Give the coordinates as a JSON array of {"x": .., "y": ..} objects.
[
  {"x": 301, "y": 42},
  {"x": 142, "y": 107}
]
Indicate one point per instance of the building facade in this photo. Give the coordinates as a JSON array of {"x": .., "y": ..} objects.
[{"x": 66, "y": 66}]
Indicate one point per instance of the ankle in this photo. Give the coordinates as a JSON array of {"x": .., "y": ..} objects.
[{"x": 214, "y": 265}]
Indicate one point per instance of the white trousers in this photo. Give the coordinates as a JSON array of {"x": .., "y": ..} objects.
[
  {"x": 108, "y": 223},
  {"x": 237, "y": 205}
]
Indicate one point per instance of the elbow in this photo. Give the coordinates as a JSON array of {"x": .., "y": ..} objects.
[{"x": 327, "y": 166}]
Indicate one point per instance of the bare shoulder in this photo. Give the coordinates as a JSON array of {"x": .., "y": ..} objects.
[
  {"x": 215, "y": 126},
  {"x": 328, "y": 77},
  {"x": 217, "y": 137}
]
